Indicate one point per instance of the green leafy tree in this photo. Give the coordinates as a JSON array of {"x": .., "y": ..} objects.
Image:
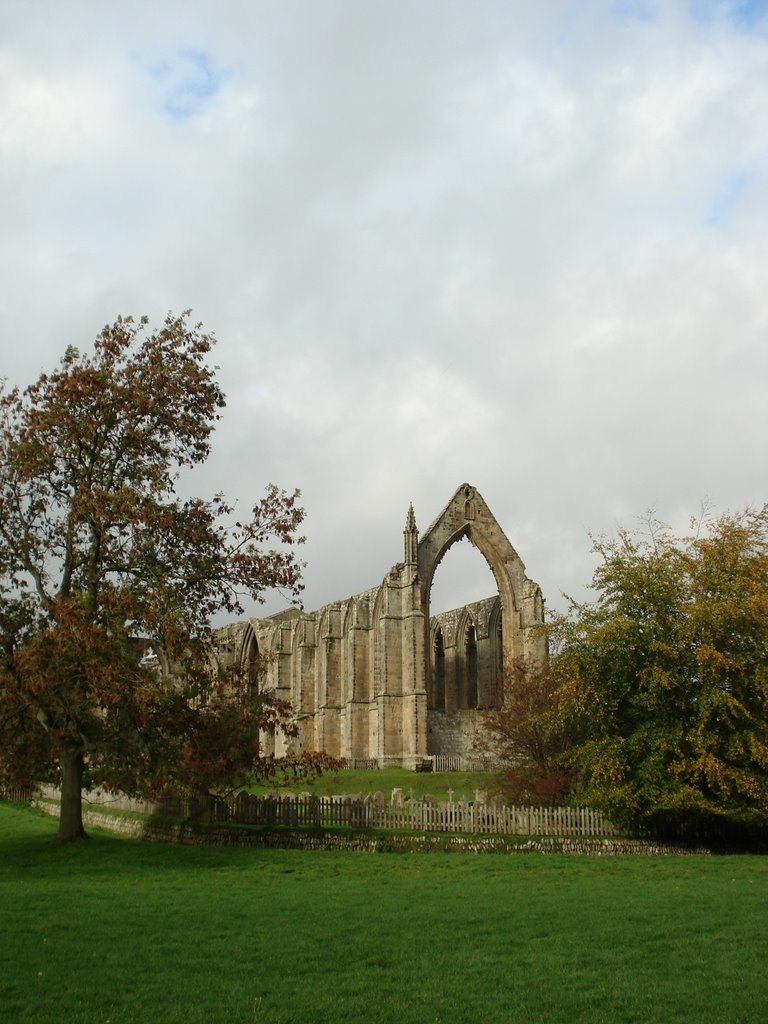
[
  {"x": 101, "y": 559},
  {"x": 666, "y": 676}
]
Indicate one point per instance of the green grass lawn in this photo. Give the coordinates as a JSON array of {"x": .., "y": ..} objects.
[
  {"x": 418, "y": 784},
  {"x": 120, "y": 931}
]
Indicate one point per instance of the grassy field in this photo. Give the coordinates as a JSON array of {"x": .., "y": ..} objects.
[
  {"x": 120, "y": 931},
  {"x": 415, "y": 784}
]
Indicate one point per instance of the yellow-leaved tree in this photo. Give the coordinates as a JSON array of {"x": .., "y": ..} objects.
[{"x": 664, "y": 677}]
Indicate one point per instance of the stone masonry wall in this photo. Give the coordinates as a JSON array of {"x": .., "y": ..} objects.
[
  {"x": 451, "y": 732},
  {"x": 358, "y": 672}
]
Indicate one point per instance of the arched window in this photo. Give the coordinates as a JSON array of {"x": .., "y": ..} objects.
[
  {"x": 253, "y": 667},
  {"x": 469, "y": 696},
  {"x": 495, "y": 694},
  {"x": 438, "y": 671}
]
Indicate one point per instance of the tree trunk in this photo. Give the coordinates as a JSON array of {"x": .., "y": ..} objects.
[{"x": 71, "y": 815}]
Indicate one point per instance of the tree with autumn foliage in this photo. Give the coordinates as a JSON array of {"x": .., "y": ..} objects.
[
  {"x": 665, "y": 676},
  {"x": 101, "y": 560},
  {"x": 526, "y": 737}
]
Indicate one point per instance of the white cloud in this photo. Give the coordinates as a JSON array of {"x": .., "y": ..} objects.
[{"x": 520, "y": 245}]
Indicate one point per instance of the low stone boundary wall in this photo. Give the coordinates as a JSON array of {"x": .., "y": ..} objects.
[
  {"x": 212, "y": 835},
  {"x": 478, "y": 816}
]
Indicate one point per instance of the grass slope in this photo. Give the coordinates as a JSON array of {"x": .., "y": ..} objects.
[
  {"x": 119, "y": 931},
  {"x": 416, "y": 784}
]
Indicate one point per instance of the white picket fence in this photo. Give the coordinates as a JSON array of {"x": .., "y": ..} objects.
[
  {"x": 373, "y": 811},
  {"x": 496, "y": 819},
  {"x": 414, "y": 815},
  {"x": 461, "y": 763}
]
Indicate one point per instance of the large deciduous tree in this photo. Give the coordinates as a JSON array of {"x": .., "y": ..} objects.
[
  {"x": 101, "y": 559},
  {"x": 666, "y": 674}
]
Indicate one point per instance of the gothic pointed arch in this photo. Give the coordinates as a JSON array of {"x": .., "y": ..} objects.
[
  {"x": 492, "y": 698},
  {"x": 374, "y": 677},
  {"x": 467, "y": 515},
  {"x": 466, "y": 661},
  {"x": 249, "y": 659},
  {"x": 436, "y": 689}
]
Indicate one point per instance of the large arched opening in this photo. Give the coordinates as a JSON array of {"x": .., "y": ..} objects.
[
  {"x": 466, "y": 648},
  {"x": 374, "y": 677},
  {"x": 463, "y": 649}
]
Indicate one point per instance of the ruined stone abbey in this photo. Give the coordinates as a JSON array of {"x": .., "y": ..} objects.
[{"x": 375, "y": 677}]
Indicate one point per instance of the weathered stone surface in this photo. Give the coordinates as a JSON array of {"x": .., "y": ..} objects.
[{"x": 375, "y": 677}]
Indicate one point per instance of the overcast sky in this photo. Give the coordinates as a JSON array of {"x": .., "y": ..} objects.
[{"x": 512, "y": 243}]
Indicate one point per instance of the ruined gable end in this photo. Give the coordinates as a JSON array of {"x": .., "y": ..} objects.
[{"x": 376, "y": 678}]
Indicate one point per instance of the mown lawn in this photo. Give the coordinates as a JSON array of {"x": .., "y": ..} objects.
[
  {"x": 121, "y": 931},
  {"x": 415, "y": 784}
]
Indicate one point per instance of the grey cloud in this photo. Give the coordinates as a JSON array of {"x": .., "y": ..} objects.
[{"x": 521, "y": 245}]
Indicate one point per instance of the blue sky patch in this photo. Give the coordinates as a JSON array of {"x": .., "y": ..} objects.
[
  {"x": 187, "y": 81},
  {"x": 727, "y": 196},
  {"x": 744, "y": 13}
]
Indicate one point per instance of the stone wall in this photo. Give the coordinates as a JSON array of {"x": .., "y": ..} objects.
[
  {"x": 451, "y": 732},
  {"x": 360, "y": 672},
  {"x": 194, "y": 835}
]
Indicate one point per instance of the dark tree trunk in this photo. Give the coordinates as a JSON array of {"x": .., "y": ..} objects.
[{"x": 71, "y": 816}]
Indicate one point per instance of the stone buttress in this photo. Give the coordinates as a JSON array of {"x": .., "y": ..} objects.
[{"x": 375, "y": 678}]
